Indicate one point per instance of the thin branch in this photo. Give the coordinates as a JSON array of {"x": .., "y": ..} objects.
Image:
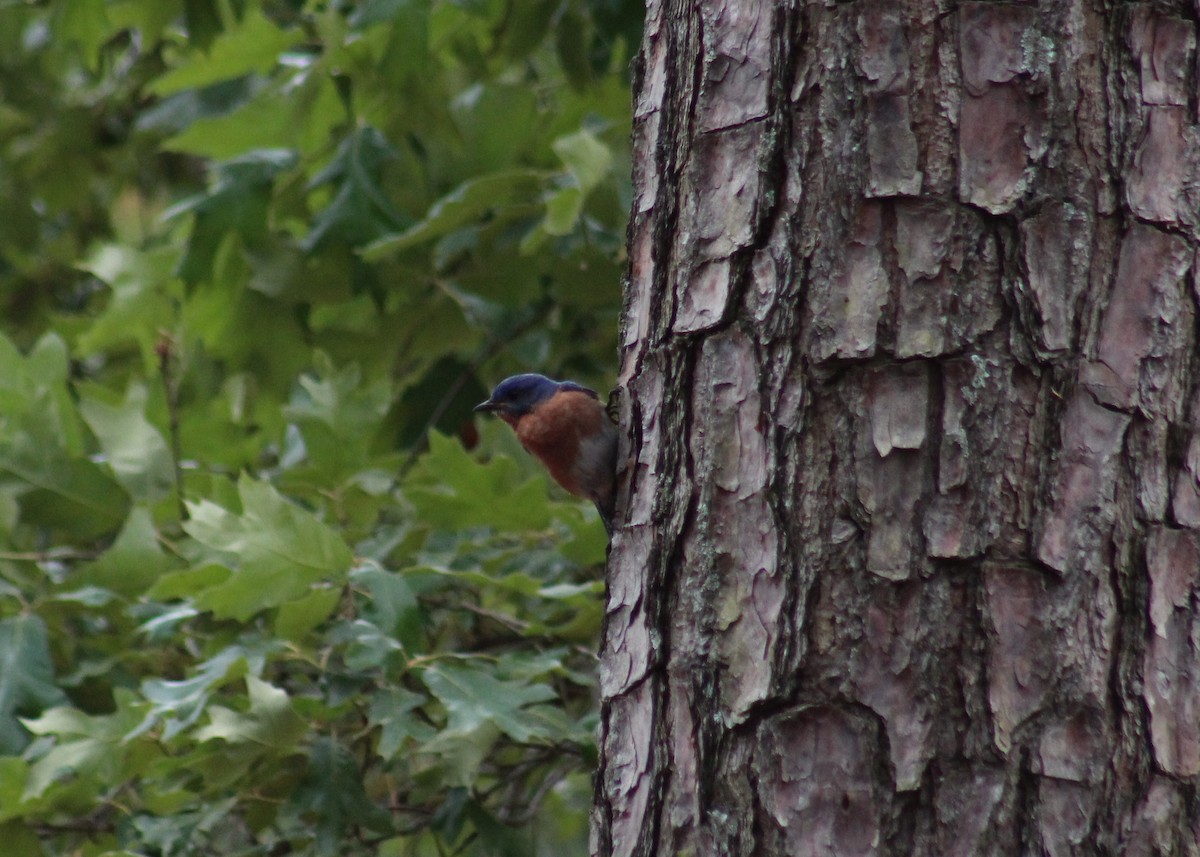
[{"x": 165, "y": 348}]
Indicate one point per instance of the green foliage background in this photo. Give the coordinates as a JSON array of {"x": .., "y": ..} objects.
[{"x": 265, "y": 586}]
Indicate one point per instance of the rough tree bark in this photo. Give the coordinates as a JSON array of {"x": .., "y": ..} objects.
[{"x": 910, "y": 554}]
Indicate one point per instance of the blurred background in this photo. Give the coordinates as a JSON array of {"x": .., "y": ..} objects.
[{"x": 266, "y": 585}]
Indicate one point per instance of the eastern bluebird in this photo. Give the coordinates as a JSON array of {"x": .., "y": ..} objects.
[{"x": 565, "y": 426}]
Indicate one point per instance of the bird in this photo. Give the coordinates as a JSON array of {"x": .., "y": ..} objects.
[{"x": 566, "y": 427}]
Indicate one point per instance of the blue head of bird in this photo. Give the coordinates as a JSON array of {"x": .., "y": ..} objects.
[{"x": 516, "y": 396}]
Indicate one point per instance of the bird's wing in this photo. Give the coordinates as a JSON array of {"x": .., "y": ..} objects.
[{"x": 578, "y": 388}]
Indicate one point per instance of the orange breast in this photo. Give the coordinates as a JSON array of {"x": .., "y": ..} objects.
[{"x": 553, "y": 432}]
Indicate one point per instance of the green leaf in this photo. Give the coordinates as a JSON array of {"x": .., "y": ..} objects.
[
  {"x": 587, "y": 158},
  {"x": 199, "y": 830},
  {"x": 338, "y": 416},
  {"x": 270, "y": 723},
  {"x": 84, "y": 22},
  {"x": 332, "y": 792},
  {"x": 281, "y": 550},
  {"x": 562, "y": 211},
  {"x": 253, "y": 45},
  {"x": 179, "y": 704},
  {"x": 188, "y": 582},
  {"x": 162, "y": 626},
  {"x": 393, "y": 709},
  {"x": 236, "y": 202},
  {"x": 134, "y": 562},
  {"x": 498, "y": 123},
  {"x": 360, "y": 211},
  {"x": 365, "y": 647},
  {"x": 468, "y": 203},
  {"x": 35, "y": 405},
  {"x": 298, "y": 618},
  {"x": 88, "y": 748},
  {"x": 458, "y": 756},
  {"x": 141, "y": 305},
  {"x": 473, "y": 697},
  {"x": 300, "y": 113},
  {"x": 453, "y": 490},
  {"x": 26, "y": 677},
  {"x": 136, "y": 451},
  {"x": 358, "y": 315},
  {"x": 72, "y": 495},
  {"x": 176, "y": 112},
  {"x": 393, "y": 607}
]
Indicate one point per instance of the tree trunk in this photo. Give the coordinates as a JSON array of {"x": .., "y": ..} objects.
[{"x": 910, "y": 537}]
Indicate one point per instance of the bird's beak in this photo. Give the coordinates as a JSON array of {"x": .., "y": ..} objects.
[{"x": 489, "y": 405}]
